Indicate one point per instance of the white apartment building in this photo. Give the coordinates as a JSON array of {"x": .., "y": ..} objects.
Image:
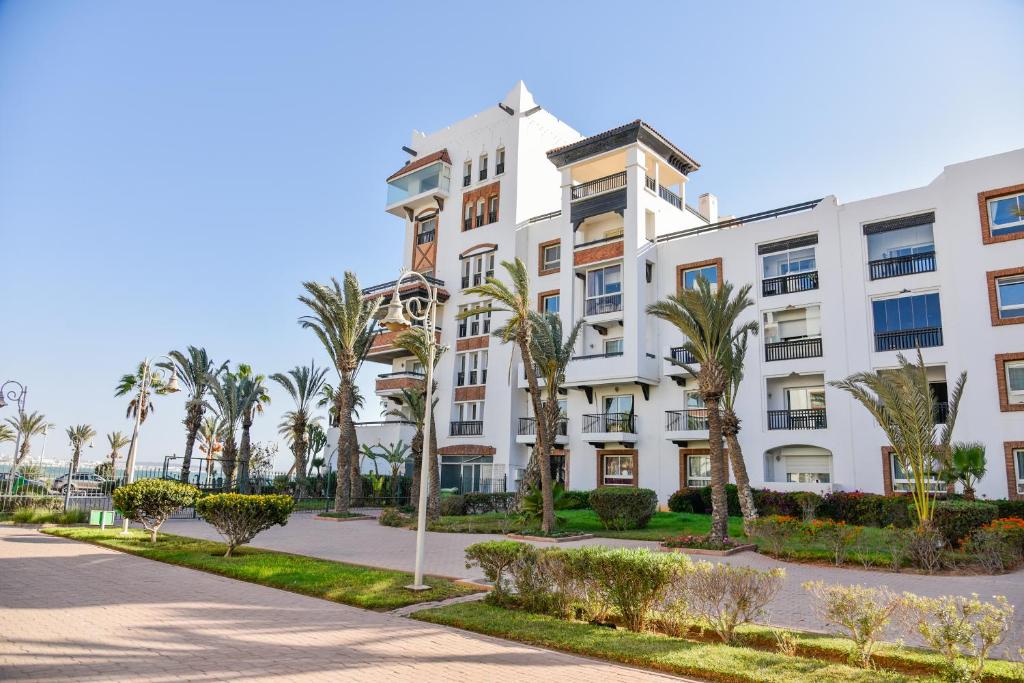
[{"x": 605, "y": 227}]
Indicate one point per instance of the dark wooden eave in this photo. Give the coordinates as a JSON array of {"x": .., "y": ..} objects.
[{"x": 635, "y": 131}]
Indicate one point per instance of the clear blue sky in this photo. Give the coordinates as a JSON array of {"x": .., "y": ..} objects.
[{"x": 170, "y": 172}]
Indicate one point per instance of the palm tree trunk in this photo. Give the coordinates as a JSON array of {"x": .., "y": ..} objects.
[
  {"x": 193, "y": 421},
  {"x": 227, "y": 463},
  {"x": 299, "y": 450},
  {"x": 244, "y": 450},
  {"x": 417, "y": 463},
  {"x": 434, "y": 494},
  {"x": 739, "y": 468},
  {"x": 346, "y": 435},
  {"x": 542, "y": 449},
  {"x": 719, "y": 501}
]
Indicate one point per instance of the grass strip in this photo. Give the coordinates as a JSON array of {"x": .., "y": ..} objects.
[{"x": 374, "y": 589}]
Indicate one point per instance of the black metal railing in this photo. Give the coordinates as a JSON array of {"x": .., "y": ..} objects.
[
  {"x": 594, "y": 243},
  {"x": 467, "y": 224},
  {"x": 941, "y": 412},
  {"x": 609, "y": 303},
  {"x": 650, "y": 183},
  {"x": 785, "y": 284},
  {"x": 601, "y": 423},
  {"x": 425, "y": 237},
  {"x": 465, "y": 281},
  {"x": 895, "y": 266},
  {"x": 390, "y": 285},
  {"x": 466, "y": 179},
  {"x": 808, "y": 418},
  {"x": 670, "y": 197},
  {"x": 499, "y": 169},
  {"x": 467, "y": 428},
  {"x": 908, "y": 339},
  {"x": 608, "y": 354},
  {"x": 679, "y": 353},
  {"x": 401, "y": 373},
  {"x": 609, "y": 182},
  {"x": 528, "y": 427},
  {"x": 492, "y": 216},
  {"x": 480, "y": 220},
  {"x": 793, "y": 348},
  {"x": 690, "y": 420},
  {"x": 483, "y": 174}
]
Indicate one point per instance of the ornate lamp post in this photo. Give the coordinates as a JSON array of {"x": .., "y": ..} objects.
[
  {"x": 16, "y": 393},
  {"x": 422, "y": 310}
]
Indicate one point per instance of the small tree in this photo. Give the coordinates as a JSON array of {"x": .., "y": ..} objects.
[
  {"x": 863, "y": 613},
  {"x": 966, "y": 466},
  {"x": 240, "y": 517},
  {"x": 151, "y": 502},
  {"x": 726, "y": 597}
]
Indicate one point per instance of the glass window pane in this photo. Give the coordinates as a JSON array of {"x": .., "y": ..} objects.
[
  {"x": 934, "y": 312},
  {"x": 1015, "y": 377}
]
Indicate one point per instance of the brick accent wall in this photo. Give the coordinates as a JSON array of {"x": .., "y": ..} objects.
[
  {"x": 717, "y": 262},
  {"x": 467, "y": 449},
  {"x": 602, "y": 252},
  {"x": 993, "y": 299},
  {"x": 474, "y": 393},
  {"x": 1011, "y": 471},
  {"x": 385, "y": 341},
  {"x": 543, "y": 295},
  {"x": 1004, "y": 395},
  {"x": 472, "y": 343},
  {"x": 986, "y": 228},
  {"x": 394, "y": 383},
  {"x": 540, "y": 257},
  {"x": 473, "y": 196},
  {"x": 618, "y": 451}
]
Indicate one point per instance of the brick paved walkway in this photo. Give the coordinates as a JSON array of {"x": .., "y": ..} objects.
[
  {"x": 74, "y": 612},
  {"x": 369, "y": 543}
]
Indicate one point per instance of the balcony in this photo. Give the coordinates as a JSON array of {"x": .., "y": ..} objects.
[
  {"x": 594, "y": 251},
  {"x": 684, "y": 425},
  {"x": 467, "y": 224},
  {"x": 475, "y": 328},
  {"x": 901, "y": 265},
  {"x": 411, "y": 287},
  {"x": 527, "y": 431},
  {"x": 425, "y": 237},
  {"x": 941, "y": 412},
  {"x": 466, "y": 180},
  {"x": 392, "y": 383},
  {"x": 791, "y": 349},
  {"x": 476, "y": 279},
  {"x": 383, "y": 349},
  {"x": 807, "y": 418},
  {"x": 418, "y": 189},
  {"x": 499, "y": 168},
  {"x": 908, "y": 339},
  {"x": 681, "y": 355},
  {"x": 590, "y": 356},
  {"x": 603, "y": 305},
  {"x": 474, "y": 428},
  {"x": 787, "y": 284},
  {"x": 601, "y": 428},
  {"x": 492, "y": 216},
  {"x": 483, "y": 174},
  {"x": 599, "y": 186}
]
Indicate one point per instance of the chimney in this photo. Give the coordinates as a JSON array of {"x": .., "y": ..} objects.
[{"x": 707, "y": 206}]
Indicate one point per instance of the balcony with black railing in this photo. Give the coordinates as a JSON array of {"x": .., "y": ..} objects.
[
  {"x": 425, "y": 237},
  {"x": 492, "y": 216},
  {"x": 466, "y": 428},
  {"x": 600, "y": 305},
  {"x": 787, "y": 284},
  {"x": 471, "y": 378},
  {"x": 480, "y": 220},
  {"x": 922, "y": 337},
  {"x": 609, "y": 423},
  {"x": 896, "y": 266},
  {"x": 807, "y": 418},
  {"x": 483, "y": 174},
  {"x": 681, "y": 355},
  {"x": 599, "y": 186},
  {"x": 467, "y": 224},
  {"x": 941, "y": 412},
  {"x": 466, "y": 180},
  {"x": 791, "y": 349},
  {"x": 663, "y": 192},
  {"x": 528, "y": 428},
  {"x": 499, "y": 168},
  {"x": 689, "y": 420}
]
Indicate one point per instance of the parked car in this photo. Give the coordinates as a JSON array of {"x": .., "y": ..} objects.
[{"x": 80, "y": 483}]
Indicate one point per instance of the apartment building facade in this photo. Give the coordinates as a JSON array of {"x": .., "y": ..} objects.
[{"x": 604, "y": 226}]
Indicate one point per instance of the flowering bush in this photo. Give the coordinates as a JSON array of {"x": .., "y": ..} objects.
[
  {"x": 837, "y": 537},
  {"x": 775, "y": 531},
  {"x": 998, "y": 546},
  {"x": 863, "y": 613},
  {"x": 956, "y": 519}
]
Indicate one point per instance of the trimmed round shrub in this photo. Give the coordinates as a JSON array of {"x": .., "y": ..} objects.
[
  {"x": 151, "y": 502},
  {"x": 687, "y": 499},
  {"x": 495, "y": 558},
  {"x": 622, "y": 507},
  {"x": 240, "y": 517},
  {"x": 394, "y": 517},
  {"x": 576, "y": 500},
  {"x": 453, "y": 506},
  {"x": 956, "y": 519}
]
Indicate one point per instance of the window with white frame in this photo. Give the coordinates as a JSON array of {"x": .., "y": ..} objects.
[
  {"x": 471, "y": 368},
  {"x": 470, "y": 411},
  {"x": 499, "y": 161},
  {"x": 551, "y": 257},
  {"x": 483, "y": 167},
  {"x": 698, "y": 471},
  {"x": 549, "y": 303},
  {"x": 492, "y": 210},
  {"x": 425, "y": 229},
  {"x": 618, "y": 470},
  {"x": 1014, "y": 381},
  {"x": 789, "y": 262},
  {"x": 467, "y": 173},
  {"x": 604, "y": 290},
  {"x": 688, "y": 278},
  {"x": 474, "y": 325},
  {"x": 1010, "y": 297},
  {"x": 480, "y": 213},
  {"x": 1018, "y": 460},
  {"x": 613, "y": 346},
  {"x": 467, "y": 222},
  {"x": 1006, "y": 215},
  {"x": 903, "y": 480}
]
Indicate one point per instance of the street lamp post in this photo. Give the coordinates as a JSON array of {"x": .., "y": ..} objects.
[
  {"x": 144, "y": 385},
  {"x": 18, "y": 396},
  {"x": 422, "y": 310}
]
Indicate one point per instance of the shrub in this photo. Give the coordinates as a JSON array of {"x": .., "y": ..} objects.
[
  {"x": 990, "y": 549},
  {"x": 635, "y": 579},
  {"x": 481, "y": 503},
  {"x": 453, "y": 506},
  {"x": 531, "y": 508},
  {"x": 151, "y": 502},
  {"x": 687, "y": 499},
  {"x": 963, "y": 630},
  {"x": 897, "y": 542},
  {"x": 866, "y": 509},
  {"x": 837, "y": 537},
  {"x": 624, "y": 507},
  {"x": 776, "y": 503},
  {"x": 956, "y": 519},
  {"x": 393, "y": 517},
  {"x": 240, "y": 517},
  {"x": 1010, "y": 508},
  {"x": 577, "y": 500},
  {"x": 534, "y": 586},
  {"x": 575, "y": 575},
  {"x": 44, "y": 515},
  {"x": 494, "y": 558},
  {"x": 775, "y": 531},
  {"x": 732, "y": 499},
  {"x": 809, "y": 503},
  {"x": 863, "y": 613},
  {"x": 726, "y": 596},
  {"x": 1012, "y": 528},
  {"x": 924, "y": 547}
]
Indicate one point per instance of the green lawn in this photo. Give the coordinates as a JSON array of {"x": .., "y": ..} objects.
[{"x": 376, "y": 589}]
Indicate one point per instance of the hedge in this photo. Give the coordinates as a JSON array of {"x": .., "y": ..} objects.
[
  {"x": 453, "y": 505},
  {"x": 956, "y": 519},
  {"x": 239, "y": 517},
  {"x": 480, "y": 503},
  {"x": 623, "y": 508},
  {"x": 576, "y": 500}
]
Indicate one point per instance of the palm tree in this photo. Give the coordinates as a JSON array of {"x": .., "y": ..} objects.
[
  {"x": 116, "y": 441},
  {"x": 966, "y": 466},
  {"x": 78, "y": 437},
  {"x": 210, "y": 442},
  {"x": 196, "y": 370},
  {"x": 228, "y": 400},
  {"x": 303, "y": 384},
  {"x": 707, "y": 318},
  {"x": 25, "y": 426},
  {"x": 551, "y": 353},
  {"x": 733, "y": 363},
  {"x": 414, "y": 410},
  {"x": 343, "y": 321},
  {"x": 130, "y": 383},
  {"x": 903, "y": 404},
  {"x": 518, "y": 329},
  {"x": 253, "y": 398},
  {"x": 394, "y": 456}
]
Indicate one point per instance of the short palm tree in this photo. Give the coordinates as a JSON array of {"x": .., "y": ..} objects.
[
  {"x": 7, "y": 434},
  {"x": 903, "y": 404},
  {"x": 344, "y": 322},
  {"x": 129, "y": 384},
  {"x": 515, "y": 300},
  {"x": 78, "y": 437},
  {"x": 116, "y": 441},
  {"x": 733, "y": 364},
  {"x": 414, "y": 409},
  {"x": 210, "y": 441},
  {"x": 227, "y": 395},
  {"x": 253, "y": 399},
  {"x": 966, "y": 466},
  {"x": 304, "y": 385},
  {"x": 26, "y": 426},
  {"x": 394, "y": 455},
  {"x": 195, "y": 370},
  {"x": 708, "y": 319}
]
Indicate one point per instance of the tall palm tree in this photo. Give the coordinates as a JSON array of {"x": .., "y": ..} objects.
[
  {"x": 516, "y": 301},
  {"x": 27, "y": 426},
  {"x": 78, "y": 437},
  {"x": 227, "y": 395},
  {"x": 903, "y": 404},
  {"x": 254, "y": 397},
  {"x": 210, "y": 441},
  {"x": 303, "y": 384},
  {"x": 343, "y": 321},
  {"x": 130, "y": 383},
  {"x": 414, "y": 409},
  {"x": 552, "y": 353},
  {"x": 708, "y": 320},
  {"x": 733, "y": 363},
  {"x": 116, "y": 441},
  {"x": 195, "y": 369}
]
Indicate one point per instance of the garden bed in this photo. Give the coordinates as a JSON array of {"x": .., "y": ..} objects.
[
  {"x": 557, "y": 537},
  {"x": 341, "y": 517},
  {"x": 715, "y": 552}
]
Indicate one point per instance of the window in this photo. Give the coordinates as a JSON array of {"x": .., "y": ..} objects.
[
  {"x": 698, "y": 470},
  {"x": 480, "y": 213},
  {"x": 483, "y": 167},
  {"x": 620, "y": 404},
  {"x": 1014, "y": 382},
  {"x": 1018, "y": 460},
  {"x": 469, "y": 411},
  {"x": 474, "y": 325},
  {"x": 1010, "y": 297},
  {"x": 618, "y": 470},
  {"x": 471, "y": 368},
  {"x": 787, "y": 263},
  {"x": 467, "y": 220},
  {"x": 805, "y": 398},
  {"x": 904, "y": 251},
  {"x": 499, "y": 161},
  {"x": 1006, "y": 215},
  {"x": 467, "y": 173},
  {"x": 604, "y": 290},
  {"x": 791, "y": 324},
  {"x": 425, "y": 230},
  {"x": 688, "y": 278},
  {"x": 696, "y": 416},
  {"x": 551, "y": 257},
  {"x": 492, "y": 212},
  {"x": 903, "y": 481},
  {"x": 549, "y": 303},
  {"x": 476, "y": 269},
  {"x": 613, "y": 346},
  {"x": 906, "y": 322}
]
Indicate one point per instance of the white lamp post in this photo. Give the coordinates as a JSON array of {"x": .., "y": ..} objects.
[{"x": 422, "y": 310}]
